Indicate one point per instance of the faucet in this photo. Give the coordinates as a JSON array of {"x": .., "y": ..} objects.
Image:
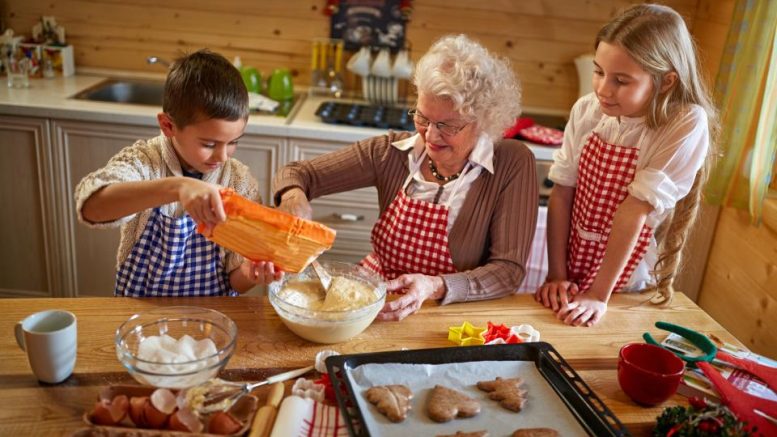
[{"x": 156, "y": 60}]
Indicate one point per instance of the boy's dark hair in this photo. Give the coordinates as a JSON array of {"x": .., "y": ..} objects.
[{"x": 204, "y": 84}]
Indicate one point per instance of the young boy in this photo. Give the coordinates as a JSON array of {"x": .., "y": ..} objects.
[{"x": 157, "y": 190}]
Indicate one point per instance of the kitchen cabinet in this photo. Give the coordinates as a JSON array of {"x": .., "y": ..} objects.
[
  {"x": 29, "y": 235},
  {"x": 351, "y": 214},
  {"x": 83, "y": 147}
]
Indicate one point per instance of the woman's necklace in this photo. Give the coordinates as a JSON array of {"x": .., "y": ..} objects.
[{"x": 440, "y": 177}]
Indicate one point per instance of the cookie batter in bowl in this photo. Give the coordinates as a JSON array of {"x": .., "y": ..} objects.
[
  {"x": 352, "y": 302},
  {"x": 344, "y": 294}
]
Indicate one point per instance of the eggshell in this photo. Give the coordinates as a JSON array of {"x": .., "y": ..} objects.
[
  {"x": 223, "y": 423},
  {"x": 163, "y": 400},
  {"x": 136, "y": 410},
  {"x": 110, "y": 412},
  {"x": 185, "y": 420},
  {"x": 154, "y": 418}
]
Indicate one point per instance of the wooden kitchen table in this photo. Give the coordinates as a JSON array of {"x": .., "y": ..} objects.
[{"x": 266, "y": 347}]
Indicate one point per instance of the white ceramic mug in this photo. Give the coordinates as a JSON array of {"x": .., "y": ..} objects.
[
  {"x": 49, "y": 338},
  {"x": 360, "y": 62}
]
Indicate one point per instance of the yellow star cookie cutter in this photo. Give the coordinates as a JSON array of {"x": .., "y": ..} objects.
[{"x": 466, "y": 335}]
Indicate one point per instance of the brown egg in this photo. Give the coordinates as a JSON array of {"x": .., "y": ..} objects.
[
  {"x": 110, "y": 412},
  {"x": 136, "y": 410},
  {"x": 223, "y": 423},
  {"x": 155, "y": 419}
]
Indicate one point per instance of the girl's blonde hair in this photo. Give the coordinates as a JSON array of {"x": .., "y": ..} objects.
[
  {"x": 482, "y": 86},
  {"x": 656, "y": 37}
]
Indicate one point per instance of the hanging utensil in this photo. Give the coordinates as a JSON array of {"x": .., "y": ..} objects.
[
  {"x": 315, "y": 71},
  {"x": 336, "y": 83}
]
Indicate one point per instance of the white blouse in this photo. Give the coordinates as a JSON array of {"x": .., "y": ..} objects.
[
  {"x": 669, "y": 158},
  {"x": 481, "y": 157}
]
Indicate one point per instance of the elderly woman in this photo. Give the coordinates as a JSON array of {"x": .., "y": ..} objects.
[{"x": 458, "y": 205}]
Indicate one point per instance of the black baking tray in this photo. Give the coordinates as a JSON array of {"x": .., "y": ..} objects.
[
  {"x": 356, "y": 114},
  {"x": 587, "y": 408}
]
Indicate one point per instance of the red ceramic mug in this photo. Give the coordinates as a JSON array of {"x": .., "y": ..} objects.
[{"x": 649, "y": 374}]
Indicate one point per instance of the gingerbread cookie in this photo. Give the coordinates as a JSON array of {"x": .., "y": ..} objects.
[
  {"x": 445, "y": 404},
  {"x": 391, "y": 400},
  {"x": 506, "y": 391},
  {"x": 467, "y": 434},
  {"x": 536, "y": 432}
]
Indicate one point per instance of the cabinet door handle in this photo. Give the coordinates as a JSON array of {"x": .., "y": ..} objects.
[{"x": 348, "y": 217}]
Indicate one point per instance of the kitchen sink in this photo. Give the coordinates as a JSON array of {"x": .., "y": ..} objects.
[
  {"x": 150, "y": 92},
  {"x": 134, "y": 91}
]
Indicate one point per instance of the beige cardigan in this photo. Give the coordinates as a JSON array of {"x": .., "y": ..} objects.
[
  {"x": 492, "y": 235},
  {"x": 150, "y": 159}
]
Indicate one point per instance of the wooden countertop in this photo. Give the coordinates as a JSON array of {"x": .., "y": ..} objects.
[{"x": 266, "y": 346}]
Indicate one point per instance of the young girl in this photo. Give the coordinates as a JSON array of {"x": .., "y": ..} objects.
[{"x": 635, "y": 156}]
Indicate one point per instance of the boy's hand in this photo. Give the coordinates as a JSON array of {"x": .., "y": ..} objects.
[
  {"x": 584, "y": 310},
  {"x": 202, "y": 201},
  {"x": 296, "y": 203},
  {"x": 555, "y": 293},
  {"x": 261, "y": 273}
]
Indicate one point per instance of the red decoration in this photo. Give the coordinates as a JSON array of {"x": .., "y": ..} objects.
[
  {"x": 406, "y": 8},
  {"x": 332, "y": 7}
]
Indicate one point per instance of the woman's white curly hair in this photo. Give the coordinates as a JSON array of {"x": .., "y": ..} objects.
[{"x": 482, "y": 86}]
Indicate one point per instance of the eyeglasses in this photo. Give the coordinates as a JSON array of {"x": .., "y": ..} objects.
[{"x": 445, "y": 129}]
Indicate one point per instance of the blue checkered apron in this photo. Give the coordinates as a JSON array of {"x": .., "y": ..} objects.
[{"x": 172, "y": 259}]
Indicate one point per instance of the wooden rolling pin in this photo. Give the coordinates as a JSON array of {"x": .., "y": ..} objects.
[{"x": 265, "y": 417}]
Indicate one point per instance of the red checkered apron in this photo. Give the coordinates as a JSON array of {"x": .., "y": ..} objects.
[
  {"x": 411, "y": 236},
  {"x": 605, "y": 171}
]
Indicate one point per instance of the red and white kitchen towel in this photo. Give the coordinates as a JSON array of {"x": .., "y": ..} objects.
[
  {"x": 299, "y": 417},
  {"x": 537, "y": 264}
]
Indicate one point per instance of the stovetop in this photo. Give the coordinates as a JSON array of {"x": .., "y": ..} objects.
[{"x": 354, "y": 114}]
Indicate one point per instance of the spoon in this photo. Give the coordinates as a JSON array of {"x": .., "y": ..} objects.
[{"x": 323, "y": 275}]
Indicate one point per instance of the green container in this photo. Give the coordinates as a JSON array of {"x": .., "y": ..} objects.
[{"x": 252, "y": 78}]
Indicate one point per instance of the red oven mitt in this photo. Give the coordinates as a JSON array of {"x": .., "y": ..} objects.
[
  {"x": 520, "y": 123},
  {"x": 542, "y": 135}
]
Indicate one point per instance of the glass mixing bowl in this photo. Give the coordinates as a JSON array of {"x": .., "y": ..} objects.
[
  {"x": 176, "y": 371},
  {"x": 322, "y": 326}
]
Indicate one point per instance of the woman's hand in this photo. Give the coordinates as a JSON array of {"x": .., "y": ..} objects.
[
  {"x": 416, "y": 288},
  {"x": 202, "y": 201},
  {"x": 556, "y": 294},
  {"x": 295, "y": 202},
  {"x": 584, "y": 310}
]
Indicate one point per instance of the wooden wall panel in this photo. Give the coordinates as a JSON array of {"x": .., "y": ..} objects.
[
  {"x": 541, "y": 37},
  {"x": 739, "y": 285}
]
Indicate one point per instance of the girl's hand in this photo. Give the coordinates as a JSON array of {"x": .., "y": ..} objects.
[
  {"x": 417, "y": 288},
  {"x": 261, "y": 273},
  {"x": 583, "y": 310},
  {"x": 296, "y": 203},
  {"x": 202, "y": 201},
  {"x": 556, "y": 294}
]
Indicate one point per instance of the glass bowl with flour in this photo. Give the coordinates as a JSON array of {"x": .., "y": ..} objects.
[{"x": 354, "y": 299}]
